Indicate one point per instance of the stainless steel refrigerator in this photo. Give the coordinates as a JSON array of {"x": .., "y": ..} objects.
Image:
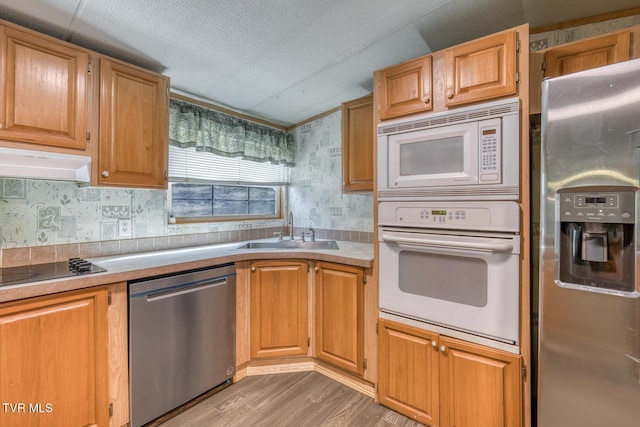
[{"x": 589, "y": 357}]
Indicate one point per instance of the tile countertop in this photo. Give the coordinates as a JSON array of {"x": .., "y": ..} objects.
[{"x": 121, "y": 268}]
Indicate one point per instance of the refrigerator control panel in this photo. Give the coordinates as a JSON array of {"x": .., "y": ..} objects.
[{"x": 590, "y": 205}]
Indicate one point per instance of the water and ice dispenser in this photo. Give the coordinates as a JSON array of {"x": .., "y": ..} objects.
[{"x": 596, "y": 239}]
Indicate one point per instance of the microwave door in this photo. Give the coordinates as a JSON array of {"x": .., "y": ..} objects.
[{"x": 434, "y": 157}]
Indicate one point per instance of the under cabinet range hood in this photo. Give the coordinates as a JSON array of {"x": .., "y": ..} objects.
[{"x": 33, "y": 164}]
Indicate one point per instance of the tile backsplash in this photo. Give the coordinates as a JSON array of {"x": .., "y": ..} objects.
[{"x": 45, "y": 221}]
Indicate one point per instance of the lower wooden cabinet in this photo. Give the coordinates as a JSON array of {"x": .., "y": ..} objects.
[
  {"x": 446, "y": 382},
  {"x": 278, "y": 308},
  {"x": 54, "y": 361},
  {"x": 340, "y": 316}
]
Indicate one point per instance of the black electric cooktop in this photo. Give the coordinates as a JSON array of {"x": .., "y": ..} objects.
[{"x": 53, "y": 270}]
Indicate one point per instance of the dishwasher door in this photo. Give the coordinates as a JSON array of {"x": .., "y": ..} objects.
[{"x": 181, "y": 338}]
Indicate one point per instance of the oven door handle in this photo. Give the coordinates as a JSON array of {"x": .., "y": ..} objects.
[{"x": 437, "y": 243}]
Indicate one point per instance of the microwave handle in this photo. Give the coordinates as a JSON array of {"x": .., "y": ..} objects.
[{"x": 423, "y": 241}]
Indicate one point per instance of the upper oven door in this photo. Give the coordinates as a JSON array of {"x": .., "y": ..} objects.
[
  {"x": 466, "y": 282},
  {"x": 441, "y": 156}
]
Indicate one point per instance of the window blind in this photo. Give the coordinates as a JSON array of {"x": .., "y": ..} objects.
[{"x": 189, "y": 165}]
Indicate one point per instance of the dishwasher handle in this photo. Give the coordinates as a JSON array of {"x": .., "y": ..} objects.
[{"x": 185, "y": 289}]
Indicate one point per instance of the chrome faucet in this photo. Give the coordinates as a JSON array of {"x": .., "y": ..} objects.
[
  {"x": 311, "y": 232},
  {"x": 290, "y": 224}
]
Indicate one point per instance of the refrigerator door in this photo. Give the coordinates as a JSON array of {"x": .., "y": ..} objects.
[{"x": 589, "y": 358}]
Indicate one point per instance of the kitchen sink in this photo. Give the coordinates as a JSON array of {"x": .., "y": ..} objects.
[{"x": 289, "y": 244}]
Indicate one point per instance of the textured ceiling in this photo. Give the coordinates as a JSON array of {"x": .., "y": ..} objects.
[{"x": 282, "y": 60}]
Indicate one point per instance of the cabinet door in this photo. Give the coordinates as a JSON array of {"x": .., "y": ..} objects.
[
  {"x": 340, "y": 316},
  {"x": 134, "y": 126},
  {"x": 408, "y": 371},
  {"x": 479, "y": 386},
  {"x": 587, "y": 54},
  {"x": 357, "y": 145},
  {"x": 406, "y": 88},
  {"x": 482, "y": 69},
  {"x": 43, "y": 89},
  {"x": 279, "y": 301},
  {"x": 53, "y": 361}
]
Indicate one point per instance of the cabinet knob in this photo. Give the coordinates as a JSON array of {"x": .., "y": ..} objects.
[
  {"x": 443, "y": 348},
  {"x": 450, "y": 94},
  {"x": 316, "y": 269},
  {"x": 253, "y": 269},
  {"x": 426, "y": 99},
  {"x": 105, "y": 174},
  {"x": 434, "y": 344}
]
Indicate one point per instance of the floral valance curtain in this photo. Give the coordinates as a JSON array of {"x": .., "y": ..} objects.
[{"x": 212, "y": 131}]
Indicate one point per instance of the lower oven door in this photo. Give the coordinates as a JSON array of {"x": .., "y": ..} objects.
[{"x": 466, "y": 282}]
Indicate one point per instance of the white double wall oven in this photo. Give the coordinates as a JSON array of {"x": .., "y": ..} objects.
[{"x": 449, "y": 222}]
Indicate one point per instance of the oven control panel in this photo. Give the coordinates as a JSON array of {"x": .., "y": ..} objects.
[
  {"x": 499, "y": 216},
  {"x": 442, "y": 216}
]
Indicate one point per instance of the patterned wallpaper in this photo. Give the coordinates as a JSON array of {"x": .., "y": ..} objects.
[
  {"x": 38, "y": 212},
  {"x": 316, "y": 190}
]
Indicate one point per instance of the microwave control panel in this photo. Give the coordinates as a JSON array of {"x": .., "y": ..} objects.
[{"x": 490, "y": 149}]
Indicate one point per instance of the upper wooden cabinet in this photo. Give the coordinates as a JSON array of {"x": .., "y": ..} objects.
[
  {"x": 53, "y": 360},
  {"x": 481, "y": 69},
  {"x": 340, "y": 316},
  {"x": 43, "y": 90},
  {"x": 357, "y": 144},
  {"x": 278, "y": 307},
  {"x": 446, "y": 382},
  {"x": 586, "y": 54},
  {"x": 406, "y": 88},
  {"x": 134, "y": 126},
  {"x": 578, "y": 56}
]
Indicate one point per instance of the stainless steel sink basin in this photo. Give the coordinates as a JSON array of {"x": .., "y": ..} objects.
[{"x": 288, "y": 244}]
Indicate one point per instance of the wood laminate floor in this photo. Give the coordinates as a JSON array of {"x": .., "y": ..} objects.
[{"x": 300, "y": 399}]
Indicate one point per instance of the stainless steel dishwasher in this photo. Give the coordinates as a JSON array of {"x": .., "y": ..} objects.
[{"x": 181, "y": 338}]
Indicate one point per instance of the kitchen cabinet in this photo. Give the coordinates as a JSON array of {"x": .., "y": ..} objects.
[
  {"x": 278, "y": 308},
  {"x": 339, "y": 332},
  {"x": 357, "y": 144},
  {"x": 580, "y": 55},
  {"x": 54, "y": 360},
  {"x": 443, "y": 381},
  {"x": 406, "y": 88},
  {"x": 586, "y": 54},
  {"x": 481, "y": 69},
  {"x": 43, "y": 90},
  {"x": 134, "y": 126}
]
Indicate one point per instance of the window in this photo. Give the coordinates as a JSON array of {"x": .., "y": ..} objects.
[
  {"x": 190, "y": 201},
  {"x": 208, "y": 187}
]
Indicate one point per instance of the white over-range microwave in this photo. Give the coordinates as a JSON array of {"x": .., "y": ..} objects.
[{"x": 470, "y": 153}]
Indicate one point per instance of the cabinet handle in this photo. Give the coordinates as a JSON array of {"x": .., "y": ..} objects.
[
  {"x": 426, "y": 99},
  {"x": 450, "y": 94},
  {"x": 316, "y": 269},
  {"x": 253, "y": 269},
  {"x": 105, "y": 174},
  {"x": 443, "y": 348},
  {"x": 434, "y": 344}
]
